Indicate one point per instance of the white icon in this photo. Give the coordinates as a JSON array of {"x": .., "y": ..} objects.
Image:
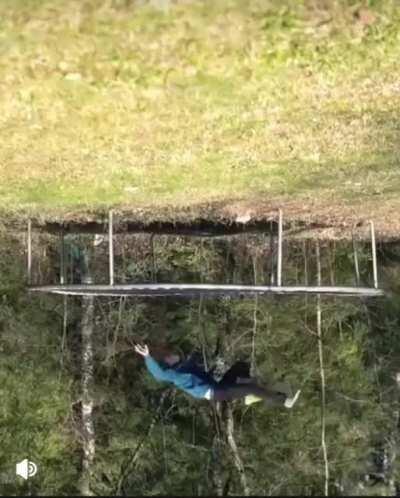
[{"x": 26, "y": 469}]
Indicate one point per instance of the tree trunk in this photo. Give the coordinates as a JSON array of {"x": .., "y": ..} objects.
[
  {"x": 87, "y": 398},
  {"x": 235, "y": 452}
]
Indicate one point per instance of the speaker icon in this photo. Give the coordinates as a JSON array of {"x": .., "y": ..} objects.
[{"x": 26, "y": 469}]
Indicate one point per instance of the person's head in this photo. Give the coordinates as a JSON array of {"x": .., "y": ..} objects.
[
  {"x": 165, "y": 353},
  {"x": 172, "y": 359}
]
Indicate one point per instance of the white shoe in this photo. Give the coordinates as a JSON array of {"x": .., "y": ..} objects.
[
  {"x": 251, "y": 398},
  {"x": 289, "y": 402}
]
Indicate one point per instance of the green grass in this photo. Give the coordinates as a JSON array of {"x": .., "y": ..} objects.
[{"x": 105, "y": 103}]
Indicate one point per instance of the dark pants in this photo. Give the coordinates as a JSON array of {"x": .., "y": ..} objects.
[{"x": 228, "y": 389}]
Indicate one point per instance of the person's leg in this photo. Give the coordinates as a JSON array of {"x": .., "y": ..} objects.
[
  {"x": 240, "y": 369},
  {"x": 237, "y": 391}
]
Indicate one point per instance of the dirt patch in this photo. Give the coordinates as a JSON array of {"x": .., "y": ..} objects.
[
  {"x": 306, "y": 219},
  {"x": 327, "y": 220}
]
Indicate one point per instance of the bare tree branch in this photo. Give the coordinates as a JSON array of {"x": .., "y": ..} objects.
[
  {"x": 235, "y": 452},
  {"x": 127, "y": 469},
  {"x": 322, "y": 373}
]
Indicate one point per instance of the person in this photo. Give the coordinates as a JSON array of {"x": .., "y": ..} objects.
[{"x": 195, "y": 381}]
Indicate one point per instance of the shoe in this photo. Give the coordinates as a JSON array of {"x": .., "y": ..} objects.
[
  {"x": 251, "y": 398},
  {"x": 289, "y": 402}
]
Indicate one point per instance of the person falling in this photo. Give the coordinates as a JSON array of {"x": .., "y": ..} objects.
[{"x": 195, "y": 381}]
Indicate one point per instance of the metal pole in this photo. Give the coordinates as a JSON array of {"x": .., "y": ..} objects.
[
  {"x": 62, "y": 260},
  {"x": 356, "y": 261},
  {"x": 305, "y": 262},
  {"x": 205, "y": 289},
  {"x": 29, "y": 252},
  {"x": 110, "y": 245},
  {"x": 279, "y": 276},
  {"x": 318, "y": 263},
  {"x": 71, "y": 265},
  {"x": 374, "y": 265},
  {"x": 272, "y": 251}
]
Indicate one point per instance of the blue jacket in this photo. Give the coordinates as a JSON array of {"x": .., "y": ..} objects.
[{"x": 186, "y": 376}]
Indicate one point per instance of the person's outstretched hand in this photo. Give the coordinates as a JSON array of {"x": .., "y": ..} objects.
[{"x": 142, "y": 350}]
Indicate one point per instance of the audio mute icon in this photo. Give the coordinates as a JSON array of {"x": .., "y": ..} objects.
[{"x": 26, "y": 469}]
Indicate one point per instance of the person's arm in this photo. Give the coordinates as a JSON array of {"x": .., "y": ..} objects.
[{"x": 166, "y": 374}]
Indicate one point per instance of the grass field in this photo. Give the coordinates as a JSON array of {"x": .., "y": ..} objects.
[{"x": 114, "y": 103}]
